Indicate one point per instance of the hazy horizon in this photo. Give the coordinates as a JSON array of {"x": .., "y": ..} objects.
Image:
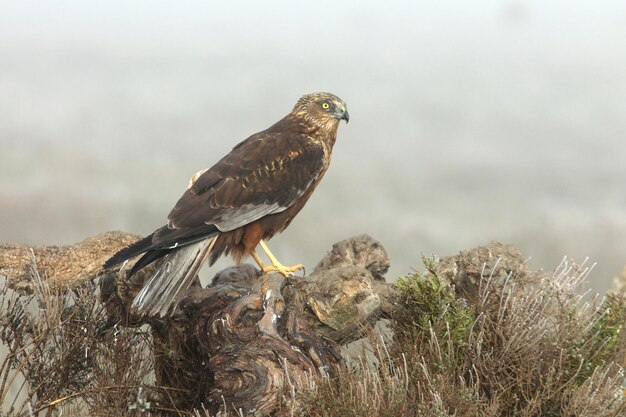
[{"x": 470, "y": 122}]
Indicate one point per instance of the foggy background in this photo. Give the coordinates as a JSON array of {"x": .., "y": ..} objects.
[{"x": 470, "y": 121}]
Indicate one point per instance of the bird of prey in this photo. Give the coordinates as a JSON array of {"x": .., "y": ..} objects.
[{"x": 247, "y": 197}]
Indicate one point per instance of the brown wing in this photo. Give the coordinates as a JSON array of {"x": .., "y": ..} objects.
[{"x": 265, "y": 174}]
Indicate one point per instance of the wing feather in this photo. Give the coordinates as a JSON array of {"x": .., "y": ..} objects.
[{"x": 263, "y": 175}]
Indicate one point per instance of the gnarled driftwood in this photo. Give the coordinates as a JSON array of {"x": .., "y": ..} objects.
[{"x": 240, "y": 341}]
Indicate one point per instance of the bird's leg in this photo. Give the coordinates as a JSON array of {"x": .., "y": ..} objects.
[
  {"x": 275, "y": 266},
  {"x": 258, "y": 260}
]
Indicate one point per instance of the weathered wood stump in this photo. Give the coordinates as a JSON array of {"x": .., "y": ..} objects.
[{"x": 244, "y": 340}]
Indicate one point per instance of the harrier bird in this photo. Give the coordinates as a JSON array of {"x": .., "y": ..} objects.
[{"x": 244, "y": 199}]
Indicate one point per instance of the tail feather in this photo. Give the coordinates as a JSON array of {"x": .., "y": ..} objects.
[
  {"x": 131, "y": 251},
  {"x": 162, "y": 293},
  {"x": 158, "y": 244},
  {"x": 147, "y": 258}
]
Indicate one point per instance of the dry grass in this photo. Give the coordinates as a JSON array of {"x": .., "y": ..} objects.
[
  {"x": 529, "y": 346},
  {"x": 69, "y": 357},
  {"x": 519, "y": 350}
]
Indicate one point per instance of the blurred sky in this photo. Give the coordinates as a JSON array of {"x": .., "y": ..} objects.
[{"x": 470, "y": 121}]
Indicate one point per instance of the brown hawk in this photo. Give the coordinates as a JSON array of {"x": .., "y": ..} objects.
[{"x": 247, "y": 197}]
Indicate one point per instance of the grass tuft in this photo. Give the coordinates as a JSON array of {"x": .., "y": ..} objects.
[{"x": 523, "y": 346}]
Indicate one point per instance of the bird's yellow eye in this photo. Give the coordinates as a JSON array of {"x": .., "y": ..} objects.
[{"x": 325, "y": 105}]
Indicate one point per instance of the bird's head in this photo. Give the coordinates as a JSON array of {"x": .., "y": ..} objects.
[{"x": 326, "y": 110}]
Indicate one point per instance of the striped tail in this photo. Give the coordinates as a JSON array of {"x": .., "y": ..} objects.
[{"x": 162, "y": 293}]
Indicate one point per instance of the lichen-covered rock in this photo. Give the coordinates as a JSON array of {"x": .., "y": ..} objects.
[
  {"x": 465, "y": 270},
  {"x": 342, "y": 299},
  {"x": 360, "y": 250}
]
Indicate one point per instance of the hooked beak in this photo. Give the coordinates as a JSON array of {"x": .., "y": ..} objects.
[{"x": 341, "y": 112}]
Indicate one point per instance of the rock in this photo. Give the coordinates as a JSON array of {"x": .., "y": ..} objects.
[{"x": 360, "y": 250}]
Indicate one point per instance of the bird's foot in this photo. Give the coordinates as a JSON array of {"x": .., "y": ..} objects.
[
  {"x": 284, "y": 270},
  {"x": 275, "y": 266}
]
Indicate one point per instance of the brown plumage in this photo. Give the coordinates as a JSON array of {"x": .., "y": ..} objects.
[{"x": 248, "y": 196}]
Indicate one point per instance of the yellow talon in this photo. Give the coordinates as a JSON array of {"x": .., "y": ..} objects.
[{"x": 276, "y": 266}]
